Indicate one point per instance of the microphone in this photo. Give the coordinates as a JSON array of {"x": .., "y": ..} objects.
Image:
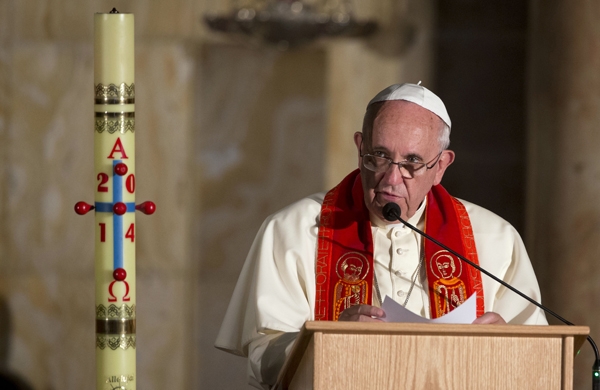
[{"x": 391, "y": 212}]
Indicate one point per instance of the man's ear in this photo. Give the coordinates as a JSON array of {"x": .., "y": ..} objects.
[
  {"x": 358, "y": 138},
  {"x": 444, "y": 162}
]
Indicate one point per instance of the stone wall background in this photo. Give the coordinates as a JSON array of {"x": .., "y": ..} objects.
[{"x": 227, "y": 134}]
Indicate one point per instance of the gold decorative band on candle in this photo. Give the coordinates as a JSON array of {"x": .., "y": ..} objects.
[
  {"x": 112, "y": 122},
  {"x": 115, "y": 342},
  {"x": 115, "y": 94},
  {"x": 115, "y": 312},
  {"x": 115, "y": 327}
]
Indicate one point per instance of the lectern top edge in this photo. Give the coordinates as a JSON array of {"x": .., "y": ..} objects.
[{"x": 455, "y": 329}]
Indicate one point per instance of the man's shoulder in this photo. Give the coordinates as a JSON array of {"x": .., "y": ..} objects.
[
  {"x": 305, "y": 208},
  {"x": 484, "y": 220},
  {"x": 295, "y": 223}
]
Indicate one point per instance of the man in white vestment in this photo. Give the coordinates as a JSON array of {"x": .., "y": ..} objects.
[{"x": 334, "y": 256}]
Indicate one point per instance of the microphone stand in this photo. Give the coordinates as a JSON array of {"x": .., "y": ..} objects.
[{"x": 392, "y": 213}]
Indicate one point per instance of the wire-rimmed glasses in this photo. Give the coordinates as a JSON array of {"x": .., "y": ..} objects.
[{"x": 408, "y": 169}]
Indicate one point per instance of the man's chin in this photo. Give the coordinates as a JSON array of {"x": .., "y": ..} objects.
[{"x": 382, "y": 199}]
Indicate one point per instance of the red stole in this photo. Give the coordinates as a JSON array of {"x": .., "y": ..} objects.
[{"x": 344, "y": 266}]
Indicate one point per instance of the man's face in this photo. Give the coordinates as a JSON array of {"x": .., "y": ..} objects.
[{"x": 402, "y": 131}]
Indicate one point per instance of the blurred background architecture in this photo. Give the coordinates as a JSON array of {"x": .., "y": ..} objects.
[{"x": 228, "y": 132}]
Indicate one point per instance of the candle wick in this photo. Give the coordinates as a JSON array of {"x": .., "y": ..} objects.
[{"x": 114, "y": 11}]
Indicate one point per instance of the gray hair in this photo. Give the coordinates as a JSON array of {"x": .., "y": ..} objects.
[{"x": 445, "y": 137}]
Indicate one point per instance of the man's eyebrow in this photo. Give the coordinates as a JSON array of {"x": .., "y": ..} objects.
[
  {"x": 406, "y": 157},
  {"x": 413, "y": 156},
  {"x": 380, "y": 149}
]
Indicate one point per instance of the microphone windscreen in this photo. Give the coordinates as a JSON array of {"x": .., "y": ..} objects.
[{"x": 391, "y": 212}]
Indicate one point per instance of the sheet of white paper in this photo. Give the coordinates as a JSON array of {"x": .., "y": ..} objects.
[{"x": 464, "y": 314}]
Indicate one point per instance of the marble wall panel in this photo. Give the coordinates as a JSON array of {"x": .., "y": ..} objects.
[
  {"x": 51, "y": 333},
  {"x": 6, "y": 55},
  {"x": 260, "y": 146},
  {"x": 6, "y": 21},
  {"x": 164, "y": 332},
  {"x": 260, "y": 139},
  {"x": 31, "y": 20},
  {"x": 49, "y": 143},
  {"x": 254, "y": 138},
  {"x": 164, "y": 88},
  {"x": 48, "y": 20},
  {"x": 564, "y": 170},
  {"x": 47, "y": 256},
  {"x": 164, "y": 19},
  {"x": 213, "y": 368}
]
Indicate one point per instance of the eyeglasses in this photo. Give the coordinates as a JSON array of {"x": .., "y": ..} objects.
[{"x": 408, "y": 169}]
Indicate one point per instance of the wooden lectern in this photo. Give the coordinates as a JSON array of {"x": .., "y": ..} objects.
[{"x": 351, "y": 355}]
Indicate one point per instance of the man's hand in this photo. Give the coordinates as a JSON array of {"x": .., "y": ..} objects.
[
  {"x": 362, "y": 313},
  {"x": 490, "y": 318}
]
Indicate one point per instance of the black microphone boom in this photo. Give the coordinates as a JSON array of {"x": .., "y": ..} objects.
[{"x": 391, "y": 212}]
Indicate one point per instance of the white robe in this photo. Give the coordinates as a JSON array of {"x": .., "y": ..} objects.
[{"x": 276, "y": 289}]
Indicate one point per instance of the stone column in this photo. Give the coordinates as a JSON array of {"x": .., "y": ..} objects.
[{"x": 563, "y": 217}]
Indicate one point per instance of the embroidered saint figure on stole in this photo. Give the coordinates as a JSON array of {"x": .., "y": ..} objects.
[
  {"x": 450, "y": 291},
  {"x": 351, "y": 289}
]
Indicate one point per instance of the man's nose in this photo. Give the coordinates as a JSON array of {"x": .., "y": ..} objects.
[{"x": 393, "y": 175}]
